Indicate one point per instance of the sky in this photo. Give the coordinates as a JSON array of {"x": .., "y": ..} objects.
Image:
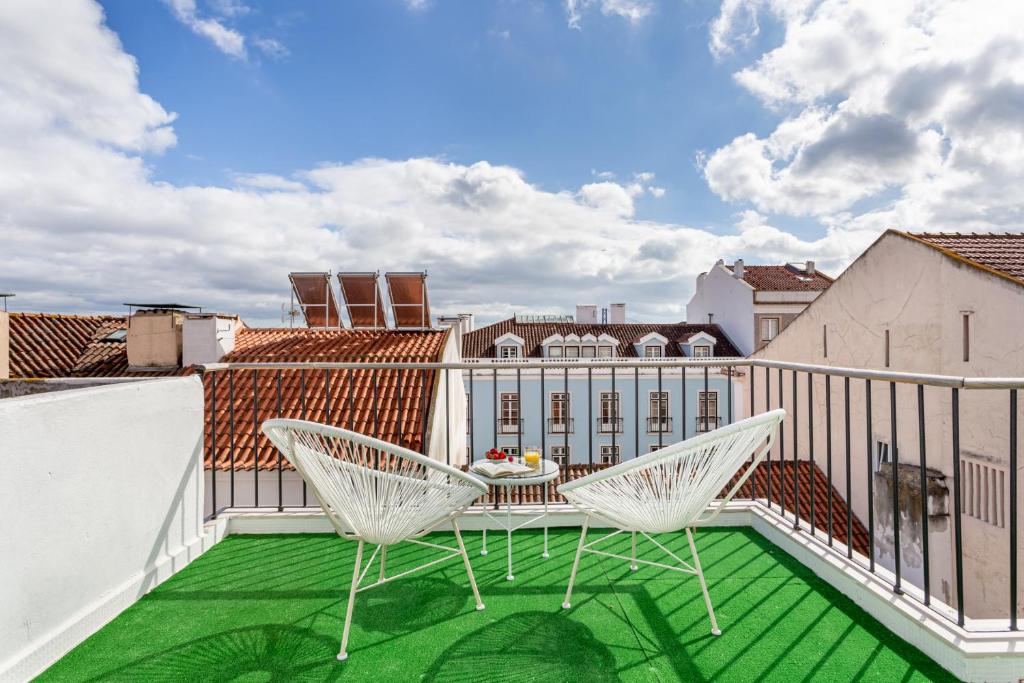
[{"x": 528, "y": 155}]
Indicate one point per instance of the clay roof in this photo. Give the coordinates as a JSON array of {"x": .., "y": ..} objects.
[
  {"x": 48, "y": 345},
  {"x": 757, "y": 483},
  {"x": 397, "y": 412},
  {"x": 480, "y": 343},
  {"x": 999, "y": 253},
  {"x": 786, "y": 278}
]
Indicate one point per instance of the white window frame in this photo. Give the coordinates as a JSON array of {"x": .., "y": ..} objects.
[
  {"x": 554, "y": 352},
  {"x": 701, "y": 351},
  {"x": 566, "y": 408},
  {"x": 572, "y": 351},
  {"x": 605, "y": 351},
  {"x": 663, "y": 417},
  {"x": 562, "y": 458},
  {"x": 510, "y": 351},
  {"x": 588, "y": 351},
  {"x": 511, "y": 450},
  {"x": 611, "y": 455},
  {"x": 612, "y": 417},
  {"x": 650, "y": 348},
  {"x": 771, "y": 335},
  {"x": 509, "y": 417}
]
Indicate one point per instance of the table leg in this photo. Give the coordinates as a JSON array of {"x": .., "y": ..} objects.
[
  {"x": 483, "y": 551},
  {"x": 545, "y": 554},
  {"x": 508, "y": 526}
]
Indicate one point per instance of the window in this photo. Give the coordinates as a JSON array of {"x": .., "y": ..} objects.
[
  {"x": 610, "y": 454},
  {"x": 116, "y": 336},
  {"x": 508, "y": 422},
  {"x": 559, "y": 419},
  {"x": 572, "y": 352},
  {"x": 609, "y": 420},
  {"x": 554, "y": 352},
  {"x": 769, "y": 328},
  {"x": 604, "y": 352},
  {"x": 508, "y": 352},
  {"x": 882, "y": 454},
  {"x": 560, "y": 455},
  {"x": 589, "y": 351},
  {"x": 658, "y": 412},
  {"x": 967, "y": 337},
  {"x": 707, "y": 411},
  {"x": 511, "y": 450},
  {"x": 702, "y": 351},
  {"x": 887, "y": 348},
  {"x": 653, "y": 351},
  {"x": 824, "y": 340},
  {"x": 653, "y": 447}
]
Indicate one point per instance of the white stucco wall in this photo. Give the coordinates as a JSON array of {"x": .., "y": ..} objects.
[
  {"x": 918, "y": 295},
  {"x": 102, "y": 491},
  {"x": 731, "y": 301},
  {"x": 452, "y": 440}
]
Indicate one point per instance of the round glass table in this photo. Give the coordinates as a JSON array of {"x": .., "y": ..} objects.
[{"x": 546, "y": 472}]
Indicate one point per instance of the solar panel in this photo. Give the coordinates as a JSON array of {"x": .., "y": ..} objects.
[
  {"x": 316, "y": 299},
  {"x": 408, "y": 293},
  {"x": 362, "y": 300}
]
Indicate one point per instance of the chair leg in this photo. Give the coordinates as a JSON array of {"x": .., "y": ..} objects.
[
  {"x": 383, "y": 562},
  {"x": 469, "y": 567},
  {"x": 632, "y": 565},
  {"x": 703, "y": 585},
  {"x": 576, "y": 564},
  {"x": 343, "y": 654}
]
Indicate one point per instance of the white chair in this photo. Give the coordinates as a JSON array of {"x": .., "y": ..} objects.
[
  {"x": 378, "y": 493},
  {"x": 668, "y": 490}
]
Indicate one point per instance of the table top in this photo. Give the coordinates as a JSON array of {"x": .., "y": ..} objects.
[{"x": 547, "y": 471}]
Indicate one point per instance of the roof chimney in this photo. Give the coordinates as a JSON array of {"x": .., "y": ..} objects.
[
  {"x": 154, "y": 339},
  {"x": 460, "y": 324},
  {"x": 737, "y": 269},
  {"x": 618, "y": 314},
  {"x": 586, "y": 314},
  {"x": 207, "y": 337},
  {"x": 809, "y": 268}
]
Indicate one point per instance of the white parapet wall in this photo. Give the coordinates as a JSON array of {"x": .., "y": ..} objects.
[{"x": 102, "y": 492}]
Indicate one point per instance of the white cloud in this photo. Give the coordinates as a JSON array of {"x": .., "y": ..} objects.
[
  {"x": 914, "y": 108},
  {"x": 85, "y": 226},
  {"x": 632, "y": 11},
  {"x": 227, "y": 40},
  {"x": 230, "y": 8},
  {"x": 417, "y": 5},
  {"x": 271, "y": 47}
]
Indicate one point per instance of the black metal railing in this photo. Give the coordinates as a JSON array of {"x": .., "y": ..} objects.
[
  {"x": 861, "y": 455},
  {"x": 561, "y": 425},
  {"x": 657, "y": 425}
]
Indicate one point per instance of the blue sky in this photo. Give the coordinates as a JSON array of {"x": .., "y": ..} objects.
[
  {"x": 509, "y": 82},
  {"x": 529, "y": 155}
]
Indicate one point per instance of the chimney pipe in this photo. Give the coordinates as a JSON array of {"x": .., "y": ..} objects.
[
  {"x": 5, "y": 345},
  {"x": 737, "y": 269},
  {"x": 809, "y": 267},
  {"x": 710, "y": 316}
]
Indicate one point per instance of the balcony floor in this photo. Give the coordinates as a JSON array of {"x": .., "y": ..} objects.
[{"x": 261, "y": 608}]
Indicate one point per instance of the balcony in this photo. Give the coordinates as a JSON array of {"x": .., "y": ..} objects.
[
  {"x": 233, "y": 571},
  {"x": 561, "y": 425},
  {"x": 510, "y": 426},
  {"x": 659, "y": 425},
  {"x": 706, "y": 423},
  {"x": 609, "y": 425},
  {"x": 268, "y": 606}
]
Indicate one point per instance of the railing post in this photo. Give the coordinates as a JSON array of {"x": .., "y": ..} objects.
[
  {"x": 590, "y": 419},
  {"x": 924, "y": 492},
  {"x": 828, "y": 450},
  {"x": 231, "y": 428},
  {"x": 782, "y": 451},
  {"x": 753, "y": 475},
  {"x": 871, "y": 477},
  {"x": 255, "y": 438},
  {"x": 1013, "y": 509},
  {"x": 796, "y": 456},
  {"x": 302, "y": 399},
  {"x": 280, "y": 464},
  {"x": 895, "y": 487},
  {"x": 810, "y": 445},
  {"x": 661, "y": 416},
  {"x": 615, "y": 416},
  {"x": 849, "y": 484},
  {"x": 213, "y": 443},
  {"x": 957, "y": 540}
]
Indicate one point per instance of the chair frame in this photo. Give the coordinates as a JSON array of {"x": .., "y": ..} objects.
[
  {"x": 343, "y": 526},
  {"x": 769, "y": 419}
]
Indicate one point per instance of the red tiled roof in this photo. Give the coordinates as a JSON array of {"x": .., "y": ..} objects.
[
  {"x": 341, "y": 398},
  {"x": 480, "y": 343},
  {"x": 999, "y": 253},
  {"x": 787, "y": 278},
  {"x": 48, "y": 345},
  {"x": 757, "y": 483}
]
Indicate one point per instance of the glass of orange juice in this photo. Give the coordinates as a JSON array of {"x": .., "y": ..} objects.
[{"x": 531, "y": 456}]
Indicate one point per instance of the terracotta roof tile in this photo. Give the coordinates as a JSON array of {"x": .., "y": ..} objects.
[
  {"x": 784, "y": 278},
  {"x": 999, "y": 252},
  {"x": 758, "y": 482},
  {"x": 341, "y": 398},
  {"x": 480, "y": 343},
  {"x": 49, "y": 345}
]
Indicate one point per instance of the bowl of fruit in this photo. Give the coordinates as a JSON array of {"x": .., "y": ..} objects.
[{"x": 495, "y": 454}]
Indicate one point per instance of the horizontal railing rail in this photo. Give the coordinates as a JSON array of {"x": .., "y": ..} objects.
[{"x": 862, "y": 451}]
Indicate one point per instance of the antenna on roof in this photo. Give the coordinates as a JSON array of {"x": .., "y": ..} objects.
[
  {"x": 5, "y": 296},
  {"x": 289, "y": 313}
]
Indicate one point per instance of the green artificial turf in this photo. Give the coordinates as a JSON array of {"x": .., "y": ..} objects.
[{"x": 270, "y": 608}]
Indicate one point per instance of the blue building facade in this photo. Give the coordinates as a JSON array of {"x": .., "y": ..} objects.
[{"x": 592, "y": 411}]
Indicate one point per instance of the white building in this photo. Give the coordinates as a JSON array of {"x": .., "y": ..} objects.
[
  {"x": 928, "y": 304},
  {"x": 754, "y": 303}
]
